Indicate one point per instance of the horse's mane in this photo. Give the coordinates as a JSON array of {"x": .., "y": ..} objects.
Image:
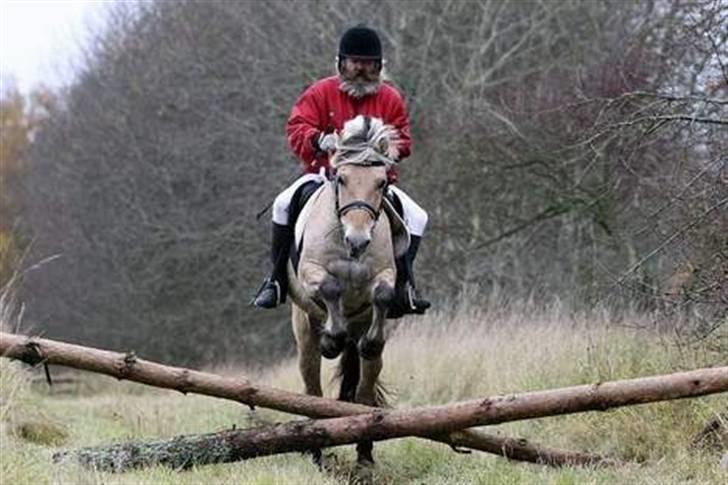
[{"x": 366, "y": 141}]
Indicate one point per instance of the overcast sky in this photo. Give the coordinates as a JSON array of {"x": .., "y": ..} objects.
[{"x": 39, "y": 39}]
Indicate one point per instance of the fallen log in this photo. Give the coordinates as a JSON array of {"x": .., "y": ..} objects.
[
  {"x": 387, "y": 424},
  {"x": 186, "y": 451},
  {"x": 127, "y": 366}
]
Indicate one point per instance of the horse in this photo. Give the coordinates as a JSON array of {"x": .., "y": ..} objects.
[{"x": 348, "y": 236}]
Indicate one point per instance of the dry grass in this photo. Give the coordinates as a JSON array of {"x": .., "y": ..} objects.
[{"x": 472, "y": 351}]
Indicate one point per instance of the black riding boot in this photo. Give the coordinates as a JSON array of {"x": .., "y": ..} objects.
[
  {"x": 273, "y": 291},
  {"x": 406, "y": 299}
]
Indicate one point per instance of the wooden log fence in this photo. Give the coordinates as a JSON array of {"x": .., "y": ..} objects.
[
  {"x": 442, "y": 423},
  {"x": 34, "y": 351},
  {"x": 387, "y": 424}
]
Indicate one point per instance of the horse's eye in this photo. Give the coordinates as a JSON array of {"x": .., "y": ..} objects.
[
  {"x": 382, "y": 184},
  {"x": 342, "y": 181}
]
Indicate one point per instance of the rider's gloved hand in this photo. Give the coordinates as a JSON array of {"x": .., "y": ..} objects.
[{"x": 327, "y": 142}]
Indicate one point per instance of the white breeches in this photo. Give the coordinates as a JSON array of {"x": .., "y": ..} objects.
[
  {"x": 415, "y": 216},
  {"x": 283, "y": 201}
]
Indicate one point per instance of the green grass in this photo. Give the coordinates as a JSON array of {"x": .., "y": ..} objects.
[{"x": 438, "y": 359}]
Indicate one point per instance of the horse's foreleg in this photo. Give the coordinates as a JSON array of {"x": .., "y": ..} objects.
[
  {"x": 333, "y": 336},
  {"x": 366, "y": 390},
  {"x": 322, "y": 285},
  {"x": 372, "y": 343}
]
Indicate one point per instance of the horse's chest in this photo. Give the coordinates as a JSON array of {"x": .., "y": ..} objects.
[{"x": 353, "y": 276}]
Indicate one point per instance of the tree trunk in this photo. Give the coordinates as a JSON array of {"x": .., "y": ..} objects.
[
  {"x": 234, "y": 445},
  {"x": 387, "y": 424}
]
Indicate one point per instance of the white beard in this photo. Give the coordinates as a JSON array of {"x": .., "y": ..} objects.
[{"x": 359, "y": 89}]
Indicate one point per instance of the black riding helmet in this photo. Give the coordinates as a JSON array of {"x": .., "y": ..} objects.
[{"x": 361, "y": 42}]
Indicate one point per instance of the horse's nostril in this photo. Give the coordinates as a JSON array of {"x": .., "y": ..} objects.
[{"x": 357, "y": 245}]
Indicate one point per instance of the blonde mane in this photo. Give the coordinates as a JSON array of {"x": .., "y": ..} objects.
[{"x": 366, "y": 141}]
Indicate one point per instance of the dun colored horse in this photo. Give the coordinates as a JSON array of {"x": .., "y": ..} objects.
[{"x": 348, "y": 236}]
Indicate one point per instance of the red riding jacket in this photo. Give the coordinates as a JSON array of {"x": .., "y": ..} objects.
[{"x": 323, "y": 108}]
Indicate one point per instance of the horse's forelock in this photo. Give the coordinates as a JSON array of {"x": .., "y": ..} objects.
[
  {"x": 364, "y": 138},
  {"x": 359, "y": 128}
]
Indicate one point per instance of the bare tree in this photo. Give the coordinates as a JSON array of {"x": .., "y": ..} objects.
[{"x": 560, "y": 147}]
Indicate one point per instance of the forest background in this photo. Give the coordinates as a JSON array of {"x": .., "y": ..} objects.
[{"x": 566, "y": 151}]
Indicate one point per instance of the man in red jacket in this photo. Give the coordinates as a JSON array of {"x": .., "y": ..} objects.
[{"x": 321, "y": 110}]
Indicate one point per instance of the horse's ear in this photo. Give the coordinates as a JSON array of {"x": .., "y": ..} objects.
[
  {"x": 400, "y": 234},
  {"x": 393, "y": 150},
  {"x": 383, "y": 147},
  {"x": 388, "y": 148},
  {"x": 389, "y": 145}
]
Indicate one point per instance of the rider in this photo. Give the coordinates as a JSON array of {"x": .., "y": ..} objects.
[{"x": 321, "y": 110}]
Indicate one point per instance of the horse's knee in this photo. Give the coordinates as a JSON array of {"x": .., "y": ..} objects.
[
  {"x": 370, "y": 349},
  {"x": 383, "y": 295},
  {"x": 330, "y": 289},
  {"x": 332, "y": 344}
]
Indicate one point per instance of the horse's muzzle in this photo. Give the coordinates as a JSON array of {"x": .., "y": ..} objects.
[{"x": 357, "y": 245}]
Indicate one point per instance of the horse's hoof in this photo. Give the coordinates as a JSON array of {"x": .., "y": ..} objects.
[
  {"x": 332, "y": 346},
  {"x": 316, "y": 457},
  {"x": 370, "y": 349},
  {"x": 365, "y": 470},
  {"x": 366, "y": 463},
  {"x": 364, "y": 454}
]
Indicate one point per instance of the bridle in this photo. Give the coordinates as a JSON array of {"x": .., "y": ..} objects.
[
  {"x": 363, "y": 155},
  {"x": 358, "y": 204}
]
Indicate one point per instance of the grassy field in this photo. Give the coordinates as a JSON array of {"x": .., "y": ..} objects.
[{"x": 437, "y": 359}]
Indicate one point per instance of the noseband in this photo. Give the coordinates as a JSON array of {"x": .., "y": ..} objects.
[{"x": 355, "y": 204}]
